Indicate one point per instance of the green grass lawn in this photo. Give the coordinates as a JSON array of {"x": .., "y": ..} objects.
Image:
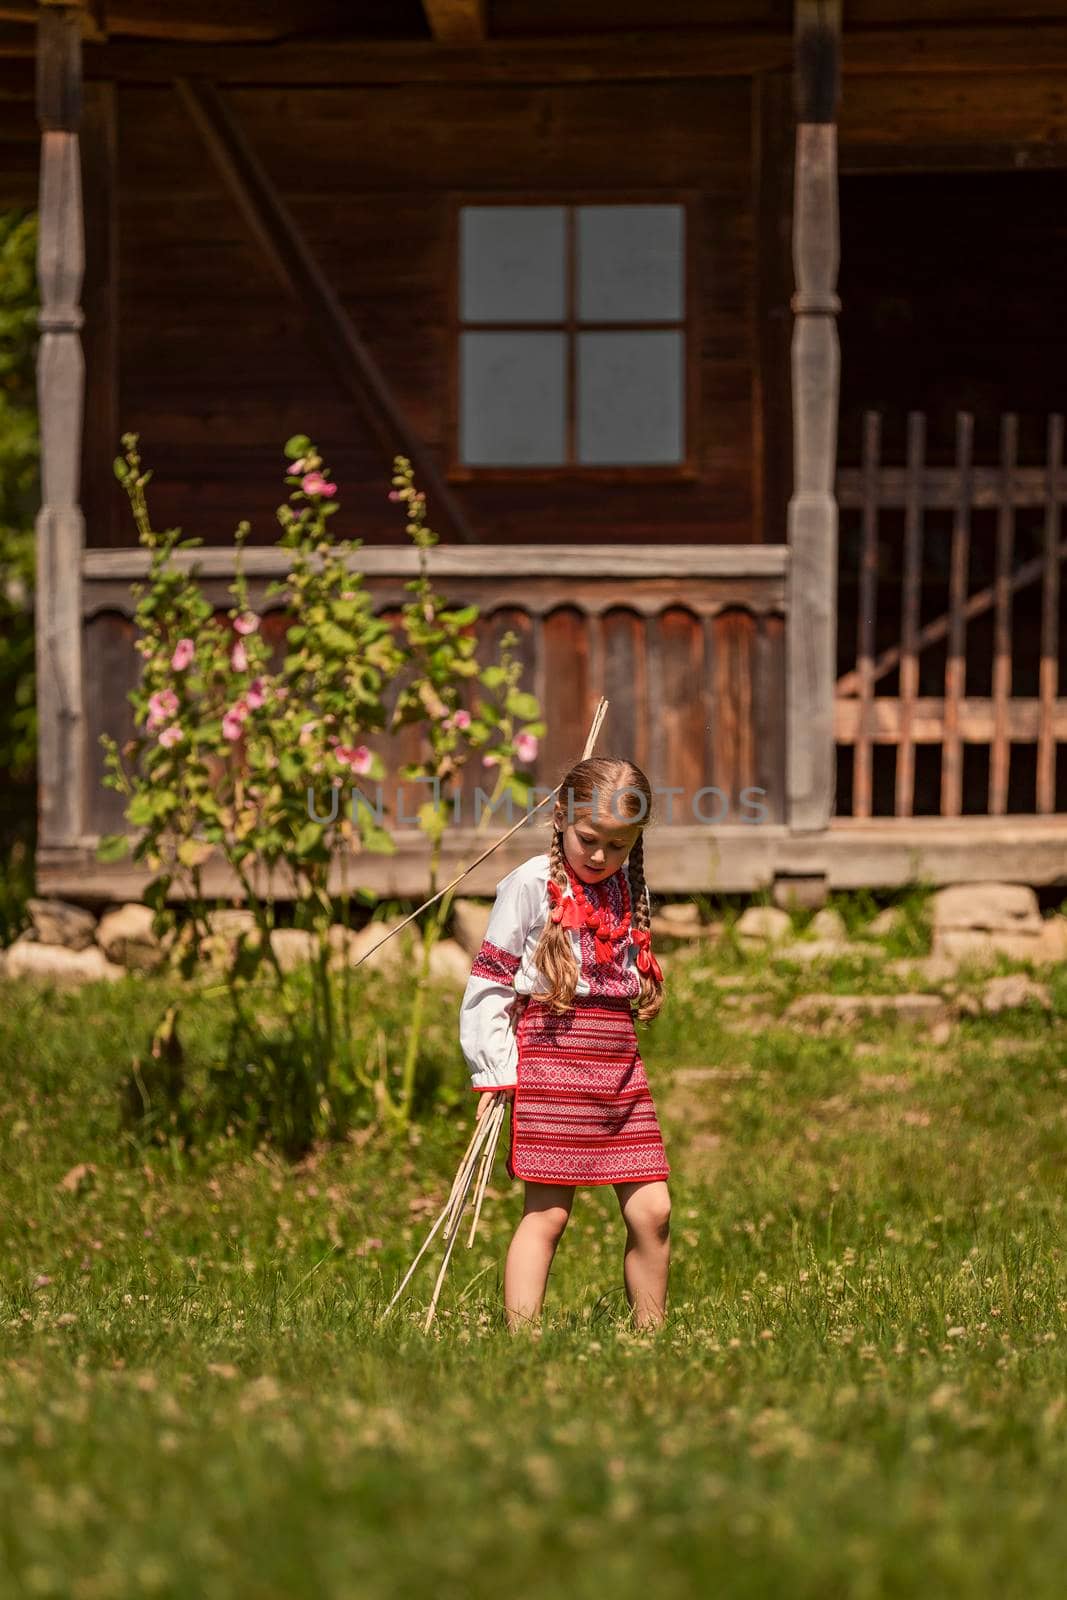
[{"x": 861, "y": 1391}]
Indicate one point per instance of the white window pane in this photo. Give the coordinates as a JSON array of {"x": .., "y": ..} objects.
[
  {"x": 630, "y": 398},
  {"x": 511, "y": 264},
  {"x": 512, "y": 404},
  {"x": 631, "y": 263}
]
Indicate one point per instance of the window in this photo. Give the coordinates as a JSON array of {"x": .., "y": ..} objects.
[{"x": 571, "y": 347}]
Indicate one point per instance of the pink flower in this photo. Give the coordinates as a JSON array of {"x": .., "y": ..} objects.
[
  {"x": 281, "y": 693},
  {"x": 184, "y": 651},
  {"x": 304, "y": 736},
  {"x": 233, "y": 721},
  {"x": 358, "y": 757},
  {"x": 239, "y": 657},
  {"x": 315, "y": 483},
  {"x": 256, "y": 694},
  {"x": 161, "y": 705},
  {"x": 461, "y": 719},
  {"x": 171, "y": 735},
  {"x": 297, "y": 467},
  {"x": 490, "y": 761},
  {"x": 395, "y": 494},
  {"x": 248, "y": 622},
  {"x": 526, "y": 746}
]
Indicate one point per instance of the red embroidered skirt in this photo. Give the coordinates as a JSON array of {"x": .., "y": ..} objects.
[{"x": 582, "y": 1111}]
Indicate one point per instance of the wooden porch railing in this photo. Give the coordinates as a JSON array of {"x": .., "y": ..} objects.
[
  {"x": 984, "y": 629},
  {"x": 686, "y": 642}
]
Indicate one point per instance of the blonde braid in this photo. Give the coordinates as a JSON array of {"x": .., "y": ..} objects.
[
  {"x": 651, "y": 996},
  {"x": 554, "y": 955}
]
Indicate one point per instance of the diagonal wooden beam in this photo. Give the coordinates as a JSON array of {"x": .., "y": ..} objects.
[
  {"x": 456, "y": 21},
  {"x": 976, "y": 605},
  {"x": 301, "y": 276}
]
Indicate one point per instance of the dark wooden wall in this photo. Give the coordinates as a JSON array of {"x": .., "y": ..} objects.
[{"x": 217, "y": 367}]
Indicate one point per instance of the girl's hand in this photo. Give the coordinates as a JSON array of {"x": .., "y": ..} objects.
[{"x": 485, "y": 1100}]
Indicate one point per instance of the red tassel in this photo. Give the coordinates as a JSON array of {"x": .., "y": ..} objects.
[{"x": 646, "y": 961}]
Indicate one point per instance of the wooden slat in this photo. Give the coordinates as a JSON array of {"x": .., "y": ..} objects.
[
  {"x": 287, "y": 251},
  {"x": 624, "y": 730},
  {"x": 1049, "y": 671},
  {"x": 976, "y": 720},
  {"x": 567, "y": 700},
  {"x": 956, "y": 659},
  {"x": 768, "y": 718},
  {"x": 941, "y": 487},
  {"x": 865, "y": 621},
  {"x": 682, "y": 562},
  {"x": 1000, "y": 749},
  {"x": 904, "y": 798}
]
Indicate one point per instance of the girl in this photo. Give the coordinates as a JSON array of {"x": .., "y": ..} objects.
[{"x": 546, "y": 1015}]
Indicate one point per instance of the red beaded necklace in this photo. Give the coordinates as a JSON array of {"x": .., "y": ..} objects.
[{"x": 575, "y": 911}]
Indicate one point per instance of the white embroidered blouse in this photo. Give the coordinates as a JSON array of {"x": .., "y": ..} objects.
[{"x": 503, "y": 968}]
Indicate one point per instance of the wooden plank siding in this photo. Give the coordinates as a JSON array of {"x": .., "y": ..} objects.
[
  {"x": 218, "y": 366},
  {"x": 691, "y": 658}
]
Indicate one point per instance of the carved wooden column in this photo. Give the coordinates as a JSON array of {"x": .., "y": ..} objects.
[
  {"x": 60, "y": 389},
  {"x": 812, "y": 620}
]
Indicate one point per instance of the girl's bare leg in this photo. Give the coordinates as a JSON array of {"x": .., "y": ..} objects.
[
  {"x": 646, "y": 1210},
  {"x": 545, "y": 1213}
]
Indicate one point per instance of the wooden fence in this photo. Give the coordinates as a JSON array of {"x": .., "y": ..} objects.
[{"x": 956, "y": 626}]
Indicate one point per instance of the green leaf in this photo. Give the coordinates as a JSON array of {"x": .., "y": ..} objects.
[
  {"x": 141, "y": 809},
  {"x": 522, "y": 705},
  {"x": 297, "y": 446},
  {"x": 463, "y": 617},
  {"x": 493, "y": 677},
  {"x": 113, "y": 846}
]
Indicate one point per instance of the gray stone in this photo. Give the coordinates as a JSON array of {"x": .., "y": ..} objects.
[
  {"x": 988, "y": 907},
  {"x": 810, "y": 950},
  {"x": 231, "y": 920},
  {"x": 54, "y": 963},
  {"x": 683, "y": 915},
  {"x": 763, "y": 925},
  {"x": 931, "y": 969},
  {"x": 58, "y": 922},
  {"x": 888, "y": 921},
  {"x": 125, "y": 936},
  {"x": 470, "y": 918},
  {"x": 924, "y": 1009},
  {"x": 828, "y": 924},
  {"x": 1011, "y": 992},
  {"x": 294, "y": 947},
  {"x": 450, "y": 962}
]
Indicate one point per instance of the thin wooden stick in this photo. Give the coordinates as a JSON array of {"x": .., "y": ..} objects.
[
  {"x": 466, "y": 1164},
  {"x": 449, "y": 1246},
  {"x": 487, "y": 1167},
  {"x": 594, "y": 730}
]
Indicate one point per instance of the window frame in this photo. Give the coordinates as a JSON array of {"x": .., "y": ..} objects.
[{"x": 459, "y": 471}]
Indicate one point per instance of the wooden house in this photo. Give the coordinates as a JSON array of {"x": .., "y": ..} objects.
[{"x": 800, "y": 522}]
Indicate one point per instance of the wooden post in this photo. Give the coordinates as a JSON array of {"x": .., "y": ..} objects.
[
  {"x": 811, "y": 756},
  {"x": 60, "y": 390}
]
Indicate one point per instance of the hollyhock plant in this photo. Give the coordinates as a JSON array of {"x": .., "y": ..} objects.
[{"x": 234, "y": 750}]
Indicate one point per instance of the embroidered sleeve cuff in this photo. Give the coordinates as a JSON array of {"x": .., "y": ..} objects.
[{"x": 495, "y": 963}]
